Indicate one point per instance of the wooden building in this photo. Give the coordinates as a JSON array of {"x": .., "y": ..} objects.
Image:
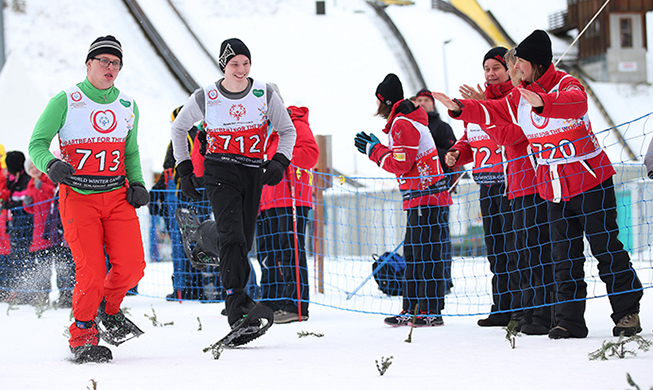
[{"x": 614, "y": 46}]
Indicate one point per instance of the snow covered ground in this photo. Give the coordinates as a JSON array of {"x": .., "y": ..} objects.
[{"x": 331, "y": 64}]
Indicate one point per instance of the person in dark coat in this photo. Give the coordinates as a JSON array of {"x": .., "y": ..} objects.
[{"x": 444, "y": 139}]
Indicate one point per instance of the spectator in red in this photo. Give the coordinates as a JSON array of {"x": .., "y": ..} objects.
[{"x": 283, "y": 258}]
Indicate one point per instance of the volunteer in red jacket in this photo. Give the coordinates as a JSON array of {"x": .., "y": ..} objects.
[
  {"x": 101, "y": 186},
  {"x": 487, "y": 156},
  {"x": 412, "y": 156},
  {"x": 291, "y": 199},
  {"x": 574, "y": 175}
]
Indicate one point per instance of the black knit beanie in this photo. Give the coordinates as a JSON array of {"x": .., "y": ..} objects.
[
  {"x": 426, "y": 93},
  {"x": 15, "y": 161},
  {"x": 390, "y": 90},
  {"x": 536, "y": 48},
  {"x": 105, "y": 45},
  {"x": 496, "y": 53},
  {"x": 231, "y": 48}
]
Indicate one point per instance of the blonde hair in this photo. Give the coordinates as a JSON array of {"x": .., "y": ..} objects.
[{"x": 511, "y": 59}]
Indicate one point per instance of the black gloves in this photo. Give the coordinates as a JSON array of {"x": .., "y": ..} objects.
[
  {"x": 366, "y": 143},
  {"x": 59, "y": 170},
  {"x": 187, "y": 180},
  {"x": 137, "y": 195},
  {"x": 274, "y": 169}
]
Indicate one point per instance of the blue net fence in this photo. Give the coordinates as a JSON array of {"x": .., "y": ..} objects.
[{"x": 482, "y": 257}]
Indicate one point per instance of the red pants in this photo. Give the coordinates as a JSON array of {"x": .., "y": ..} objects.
[{"x": 94, "y": 224}]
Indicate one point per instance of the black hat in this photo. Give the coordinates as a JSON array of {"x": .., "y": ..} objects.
[
  {"x": 231, "y": 48},
  {"x": 105, "y": 45},
  {"x": 426, "y": 93},
  {"x": 15, "y": 162},
  {"x": 536, "y": 48},
  {"x": 496, "y": 53},
  {"x": 390, "y": 90}
]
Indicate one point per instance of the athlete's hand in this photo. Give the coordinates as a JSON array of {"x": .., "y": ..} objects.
[
  {"x": 274, "y": 169},
  {"x": 59, "y": 170},
  {"x": 137, "y": 195},
  {"x": 187, "y": 180}
]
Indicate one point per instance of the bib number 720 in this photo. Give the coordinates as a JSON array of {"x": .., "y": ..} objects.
[{"x": 101, "y": 159}]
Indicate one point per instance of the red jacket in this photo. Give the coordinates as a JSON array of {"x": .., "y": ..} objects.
[
  {"x": 554, "y": 182},
  {"x": 403, "y": 161},
  {"x": 42, "y": 198},
  {"x": 520, "y": 168},
  {"x": 300, "y": 172}
]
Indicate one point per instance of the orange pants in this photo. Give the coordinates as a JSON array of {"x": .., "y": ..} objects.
[{"x": 94, "y": 224}]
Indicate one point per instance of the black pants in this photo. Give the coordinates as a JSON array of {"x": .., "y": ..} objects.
[
  {"x": 500, "y": 246},
  {"x": 531, "y": 224},
  {"x": 423, "y": 251},
  {"x": 279, "y": 265},
  {"x": 594, "y": 213},
  {"x": 235, "y": 193}
]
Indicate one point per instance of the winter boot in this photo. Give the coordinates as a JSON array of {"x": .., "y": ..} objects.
[{"x": 629, "y": 325}]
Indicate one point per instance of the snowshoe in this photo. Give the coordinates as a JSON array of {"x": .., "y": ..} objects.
[
  {"x": 115, "y": 329},
  {"x": 246, "y": 329},
  {"x": 198, "y": 239},
  {"x": 91, "y": 354}
]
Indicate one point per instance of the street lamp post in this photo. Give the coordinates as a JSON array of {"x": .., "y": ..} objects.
[{"x": 444, "y": 69}]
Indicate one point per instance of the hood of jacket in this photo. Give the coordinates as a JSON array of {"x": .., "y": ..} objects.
[{"x": 409, "y": 110}]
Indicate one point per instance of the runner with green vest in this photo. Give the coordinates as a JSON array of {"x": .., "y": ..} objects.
[{"x": 101, "y": 185}]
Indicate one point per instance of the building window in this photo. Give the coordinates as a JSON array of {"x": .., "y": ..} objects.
[{"x": 626, "y": 32}]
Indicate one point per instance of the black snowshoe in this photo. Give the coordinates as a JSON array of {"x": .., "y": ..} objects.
[
  {"x": 91, "y": 354},
  {"x": 246, "y": 329},
  {"x": 199, "y": 239},
  {"x": 115, "y": 329}
]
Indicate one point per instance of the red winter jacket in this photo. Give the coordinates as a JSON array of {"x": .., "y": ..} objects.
[
  {"x": 520, "y": 166},
  {"x": 42, "y": 198},
  {"x": 300, "y": 172},
  {"x": 402, "y": 158},
  {"x": 570, "y": 101}
]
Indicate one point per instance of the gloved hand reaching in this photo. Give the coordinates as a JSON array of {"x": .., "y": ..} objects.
[
  {"x": 59, "y": 170},
  {"x": 366, "y": 143},
  {"x": 274, "y": 169},
  {"x": 137, "y": 195},
  {"x": 187, "y": 180}
]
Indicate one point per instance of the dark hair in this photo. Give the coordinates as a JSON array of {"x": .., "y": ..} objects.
[{"x": 384, "y": 111}]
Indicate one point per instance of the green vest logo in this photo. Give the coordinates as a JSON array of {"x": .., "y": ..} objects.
[
  {"x": 258, "y": 92},
  {"x": 125, "y": 103}
]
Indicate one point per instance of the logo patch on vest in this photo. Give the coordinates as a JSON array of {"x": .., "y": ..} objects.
[
  {"x": 237, "y": 111},
  {"x": 103, "y": 121},
  {"x": 125, "y": 103},
  {"x": 258, "y": 92},
  {"x": 538, "y": 121}
]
